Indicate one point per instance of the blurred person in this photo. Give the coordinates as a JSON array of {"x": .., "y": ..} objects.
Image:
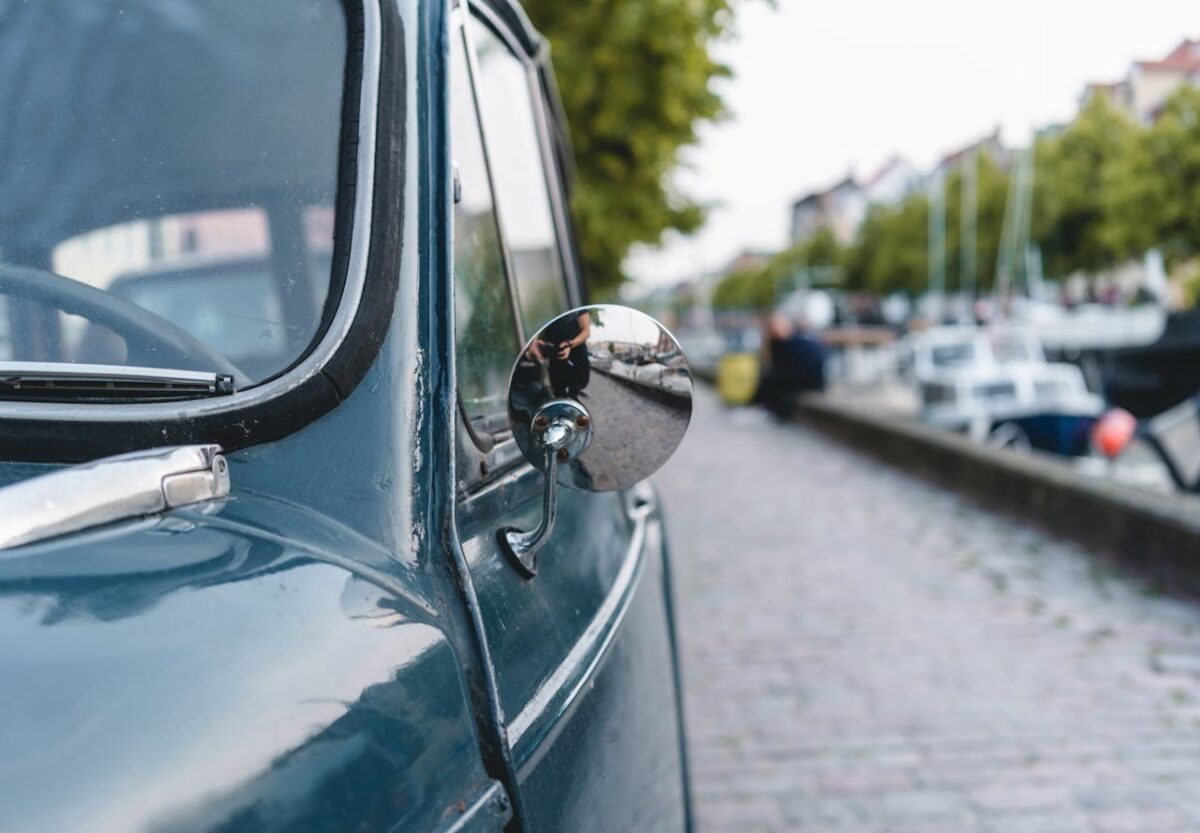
[
  {"x": 793, "y": 363},
  {"x": 565, "y": 347}
]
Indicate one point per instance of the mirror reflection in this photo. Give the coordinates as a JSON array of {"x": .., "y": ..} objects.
[{"x": 630, "y": 375}]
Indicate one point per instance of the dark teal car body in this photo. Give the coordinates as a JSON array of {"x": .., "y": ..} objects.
[{"x": 340, "y": 644}]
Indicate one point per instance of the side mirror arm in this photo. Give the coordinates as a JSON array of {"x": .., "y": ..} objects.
[{"x": 561, "y": 430}]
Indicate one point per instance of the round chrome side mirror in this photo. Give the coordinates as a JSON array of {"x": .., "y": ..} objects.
[{"x": 599, "y": 399}]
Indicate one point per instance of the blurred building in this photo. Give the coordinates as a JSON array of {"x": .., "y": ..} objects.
[
  {"x": 1148, "y": 85},
  {"x": 839, "y": 208},
  {"x": 892, "y": 183},
  {"x": 990, "y": 146},
  {"x": 842, "y": 206}
]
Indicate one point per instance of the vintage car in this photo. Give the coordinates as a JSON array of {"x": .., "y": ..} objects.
[{"x": 322, "y": 486}]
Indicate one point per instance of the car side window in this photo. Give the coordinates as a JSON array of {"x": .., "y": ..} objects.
[
  {"x": 485, "y": 319},
  {"x": 519, "y": 173}
]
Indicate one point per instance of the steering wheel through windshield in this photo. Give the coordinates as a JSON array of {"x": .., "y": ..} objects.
[{"x": 152, "y": 340}]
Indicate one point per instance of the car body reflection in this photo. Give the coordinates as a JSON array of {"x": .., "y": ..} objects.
[{"x": 249, "y": 681}]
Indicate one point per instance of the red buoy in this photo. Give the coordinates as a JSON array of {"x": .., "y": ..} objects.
[{"x": 1113, "y": 431}]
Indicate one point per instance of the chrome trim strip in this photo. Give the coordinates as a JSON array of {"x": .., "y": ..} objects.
[
  {"x": 338, "y": 329},
  {"x": 112, "y": 489},
  {"x": 548, "y": 703}
]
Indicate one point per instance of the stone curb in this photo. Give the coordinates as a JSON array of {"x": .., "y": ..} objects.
[{"x": 1158, "y": 534}]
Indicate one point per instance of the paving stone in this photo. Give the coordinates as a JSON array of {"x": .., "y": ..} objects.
[
  {"x": 1039, "y": 823},
  {"x": 1139, "y": 821},
  {"x": 866, "y": 652},
  {"x": 926, "y": 805},
  {"x": 1021, "y": 799}
]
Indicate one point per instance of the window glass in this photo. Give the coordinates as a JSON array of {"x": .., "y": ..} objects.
[
  {"x": 487, "y": 340},
  {"x": 1012, "y": 350},
  {"x": 180, "y": 157},
  {"x": 520, "y": 179},
  {"x": 953, "y": 355}
]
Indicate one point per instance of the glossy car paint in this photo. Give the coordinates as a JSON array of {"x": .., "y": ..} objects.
[
  {"x": 592, "y": 713},
  {"x": 319, "y": 652},
  {"x": 207, "y": 672}
]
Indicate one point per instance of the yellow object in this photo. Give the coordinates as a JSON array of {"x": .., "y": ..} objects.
[{"x": 737, "y": 378}]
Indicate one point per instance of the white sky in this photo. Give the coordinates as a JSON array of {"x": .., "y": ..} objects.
[{"x": 823, "y": 87}]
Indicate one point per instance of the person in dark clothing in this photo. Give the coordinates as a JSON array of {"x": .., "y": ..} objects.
[
  {"x": 793, "y": 363},
  {"x": 565, "y": 348}
]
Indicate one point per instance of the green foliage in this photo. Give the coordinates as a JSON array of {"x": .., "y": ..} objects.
[
  {"x": 891, "y": 250},
  {"x": 822, "y": 249},
  {"x": 1188, "y": 274},
  {"x": 635, "y": 78},
  {"x": 746, "y": 289},
  {"x": 759, "y": 289},
  {"x": 1080, "y": 205},
  {"x": 1155, "y": 189}
]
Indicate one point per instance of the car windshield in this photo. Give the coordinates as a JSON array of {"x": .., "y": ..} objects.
[{"x": 168, "y": 171}]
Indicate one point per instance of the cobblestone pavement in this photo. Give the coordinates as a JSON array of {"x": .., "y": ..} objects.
[
  {"x": 866, "y": 652},
  {"x": 638, "y": 426}
]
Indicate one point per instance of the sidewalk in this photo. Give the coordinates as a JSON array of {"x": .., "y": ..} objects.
[{"x": 866, "y": 652}]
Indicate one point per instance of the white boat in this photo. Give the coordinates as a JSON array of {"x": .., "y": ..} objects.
[
  {"x": 996, "y": 385},
  {"x": 1093, "y": 326}
]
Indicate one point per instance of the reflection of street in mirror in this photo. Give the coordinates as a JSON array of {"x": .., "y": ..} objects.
[{"x": 627, "y": 372}]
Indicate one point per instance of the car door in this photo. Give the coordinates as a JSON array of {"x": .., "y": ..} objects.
[{"x": 583, "y": 652}]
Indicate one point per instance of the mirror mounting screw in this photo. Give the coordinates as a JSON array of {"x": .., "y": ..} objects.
[
  {"x": 541, "y": 421},
  {"x": 582, "y": 421},
  {"x": 562, "y": 454}
]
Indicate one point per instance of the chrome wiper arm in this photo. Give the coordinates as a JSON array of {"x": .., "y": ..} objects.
[{"x": 62, "y": 380}]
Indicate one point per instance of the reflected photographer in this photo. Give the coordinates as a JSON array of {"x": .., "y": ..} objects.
[{"x": 563, "y": 349}]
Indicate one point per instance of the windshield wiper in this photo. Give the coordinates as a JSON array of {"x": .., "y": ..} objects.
[{"x": 106, "y": 382}]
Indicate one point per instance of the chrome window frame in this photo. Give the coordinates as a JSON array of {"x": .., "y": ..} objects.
[
  {"x": 502, "y": 457},
  {"x": 483, "y": 456},
  {"x": 532, "y": 64},
  {"x": 458, "y": 23}
]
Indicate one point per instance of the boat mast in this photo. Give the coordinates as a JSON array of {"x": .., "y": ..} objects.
[
  {"x": 937, "y": 238},
  {"x": 968, "y": 252},
  {"x": 1012, "y": 260}
]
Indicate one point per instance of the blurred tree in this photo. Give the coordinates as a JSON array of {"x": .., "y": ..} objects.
[
  {"x": 634, "y": 76},
  {"x": 822, "y": 250},
  {"x": 890, "y": 252},
  {"x": 860, "y": 258},
  {"x": 904, "y": 264},
  {"x": 761, "y": 288},
  {"x": 1078, "y": 199},
  {"x": 1154, "y": 192},
  {"x": 1188, "y": 277},
  {"x": 753, "y": 289}
]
